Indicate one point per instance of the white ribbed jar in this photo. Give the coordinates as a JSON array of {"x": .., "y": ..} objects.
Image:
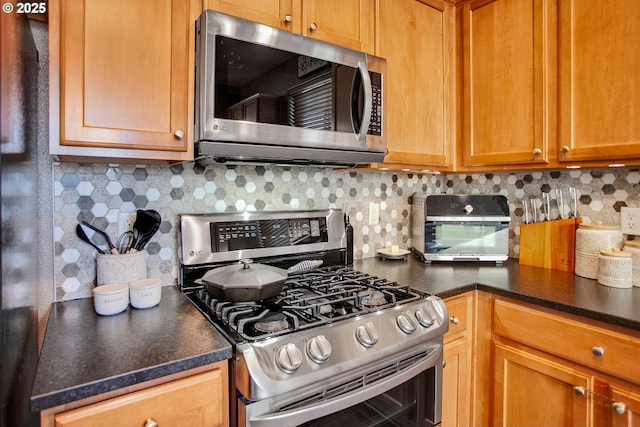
[
  {"x": 615, "y": 268},
  {"x": 634, "y": 249},
  {"x": 590, "y": 240}
]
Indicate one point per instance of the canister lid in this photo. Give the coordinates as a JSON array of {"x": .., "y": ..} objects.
[
  {"x": 615, "y": 253},
  {"x": 598, "y": 225}
]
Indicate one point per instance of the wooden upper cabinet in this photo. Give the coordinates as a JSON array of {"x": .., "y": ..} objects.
[
  {"x": 125, "y": 71},
  {"x": 274, "y": 13},
  {"x": 508, "y": 86},
  {"x": 416, "y": 38},
  {"x": 348, "y": 23},
  {"x": 599, "y": 80}
]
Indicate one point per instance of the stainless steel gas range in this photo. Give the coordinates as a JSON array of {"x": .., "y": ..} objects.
[{"x": 334, "y": 346}]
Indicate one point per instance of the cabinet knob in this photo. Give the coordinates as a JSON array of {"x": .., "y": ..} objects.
[
  {"x": 579, "y": 391},
  {"x": 313, "y": 26},
  {"x": 565, "y": 149},
  {"x": 454, "y": 320},
  {"x": 150, "y": 423},
  {"x": 179, "y": 134},
  {"x": 597, "y": 351},
  {"x": 618, "y": 407},
  {"x": 288, "y": 19},
  {"x": 537, "y": 151}
]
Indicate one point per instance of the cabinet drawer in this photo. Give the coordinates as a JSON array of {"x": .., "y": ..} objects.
[
  {"x": 459, "y": 314},
  {"x": 570, "y": 339},
  {"x": 199, "y": 400}
]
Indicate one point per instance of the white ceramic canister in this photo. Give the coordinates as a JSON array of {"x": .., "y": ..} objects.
[
  {"x": 590, "y": 240},
  {"x": 633, "y": 248},
  {"x": 123, "y": 268},
  {"x": 615, "y": 268}
]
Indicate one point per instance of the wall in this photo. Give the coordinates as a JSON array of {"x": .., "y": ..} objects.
[{"x": 97, "y": 193}]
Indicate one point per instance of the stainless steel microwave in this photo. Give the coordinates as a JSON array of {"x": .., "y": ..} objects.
[
  {"x": 265, "y": 95},
  {"x": 460, "y": 227}
]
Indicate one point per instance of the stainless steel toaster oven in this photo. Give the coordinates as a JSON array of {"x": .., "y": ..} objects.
[{"x": 457, "y": 227}]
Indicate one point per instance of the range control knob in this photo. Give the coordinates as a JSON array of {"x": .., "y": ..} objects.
[
  {"x": 468, "y": 209},
  {"x": 289, "y": 358},
  {"x": 406, "y": 323},
  {"x": 367, "y": 335},
  {"x": 319, "y": 349},
  {"x": 424, "y": 317}
]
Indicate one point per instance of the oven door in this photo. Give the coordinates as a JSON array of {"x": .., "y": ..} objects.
[{"x": 410, "y": 397}]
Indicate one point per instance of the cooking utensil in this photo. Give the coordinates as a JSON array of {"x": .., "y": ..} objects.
[
  {"x": 125, "y": 242},
  {"x": 83, "y": 236},
  {"x": 304, "y": 266},
  {"x": 146, "y": 225},
  {"x": 104, "y": 235},
  {"x": 244, "y": 282}
]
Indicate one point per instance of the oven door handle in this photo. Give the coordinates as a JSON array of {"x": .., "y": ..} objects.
[{"x": 302, "y": 415}]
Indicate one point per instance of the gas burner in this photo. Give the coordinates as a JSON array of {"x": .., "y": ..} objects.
[
  {"x": 273, "y": 322},
  {"x": 324, "y": 306},
  {"x": 372, "y": 298}
]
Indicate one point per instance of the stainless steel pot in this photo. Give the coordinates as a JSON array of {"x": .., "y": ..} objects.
[{"x": 244, "y": 281}]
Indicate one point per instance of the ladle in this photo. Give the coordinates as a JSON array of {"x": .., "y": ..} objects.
[{"x": 83, "y": 236}]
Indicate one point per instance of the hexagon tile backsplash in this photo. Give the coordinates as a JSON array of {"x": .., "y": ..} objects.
[{"x": 97, "y": 193}]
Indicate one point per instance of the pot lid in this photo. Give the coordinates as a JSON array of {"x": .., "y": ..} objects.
[{"x": 243, "y": 275}]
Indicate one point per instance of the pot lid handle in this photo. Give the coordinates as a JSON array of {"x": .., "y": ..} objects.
[{"x": 246, "y": 263}]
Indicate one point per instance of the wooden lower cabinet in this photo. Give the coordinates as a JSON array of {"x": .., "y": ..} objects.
[
  {"x": 200, "y": 399},
  {"x": 531, "y": 390},
  {"x": 457, "y": 384},
  {"x": 555, "y": 369}
]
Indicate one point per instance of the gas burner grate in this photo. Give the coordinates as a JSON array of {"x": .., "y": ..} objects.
[{"x": 308, "y": 300}]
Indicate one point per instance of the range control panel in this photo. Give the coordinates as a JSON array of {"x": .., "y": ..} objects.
[{"x": 255, "y": 234}]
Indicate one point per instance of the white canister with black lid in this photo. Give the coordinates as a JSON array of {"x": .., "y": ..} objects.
[
  {"x": 615, "y": 268},
  {"x": 633, "y": 248},
  {"x": 590, "y": 240}
]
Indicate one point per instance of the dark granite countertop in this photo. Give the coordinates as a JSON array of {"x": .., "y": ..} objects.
[
  {"x": 84, "y": 354},
  {"x": 549, "y": 288}
]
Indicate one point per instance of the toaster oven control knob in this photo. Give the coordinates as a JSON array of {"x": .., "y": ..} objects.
[
  {"x": 319, "y": 349},
  {"x": 406, "y": 323},
  {"x": 367, "y": 335},
  {"x": 468, "y": 209},
  {"x": 289, "y": 358},
  {"x": 424, "y": 317}
]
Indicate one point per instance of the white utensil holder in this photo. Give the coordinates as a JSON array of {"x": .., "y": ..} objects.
[{"x": 120, "y": 268}]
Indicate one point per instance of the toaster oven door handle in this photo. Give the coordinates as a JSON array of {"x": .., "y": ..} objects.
[
  {"x": 368, "y": 100},
  {"x": 302, "y": 415},
  {"x": 468, "y": 219}
]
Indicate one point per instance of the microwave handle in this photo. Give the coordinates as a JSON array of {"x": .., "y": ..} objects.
[{"x": 368, "y": 100}]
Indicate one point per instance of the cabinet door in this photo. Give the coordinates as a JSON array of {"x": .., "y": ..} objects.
[
  {"x": 456, "y": 384},
  {"x": 599, "y": 80},
  {"x": 125, "y": 73},
  {"x": 625, "y": 407},
  {"x": 416, "y": 38},
  {"x": 508, "y": 82},
  {"x": 530, "y": 390},
  {"x": 275, "y": 13},
  {"x": 348, "y": 23}
]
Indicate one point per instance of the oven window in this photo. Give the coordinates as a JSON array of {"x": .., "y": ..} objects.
[
  {"x": 412, "y": 404},
  {"x": 465, "y": 238}
]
